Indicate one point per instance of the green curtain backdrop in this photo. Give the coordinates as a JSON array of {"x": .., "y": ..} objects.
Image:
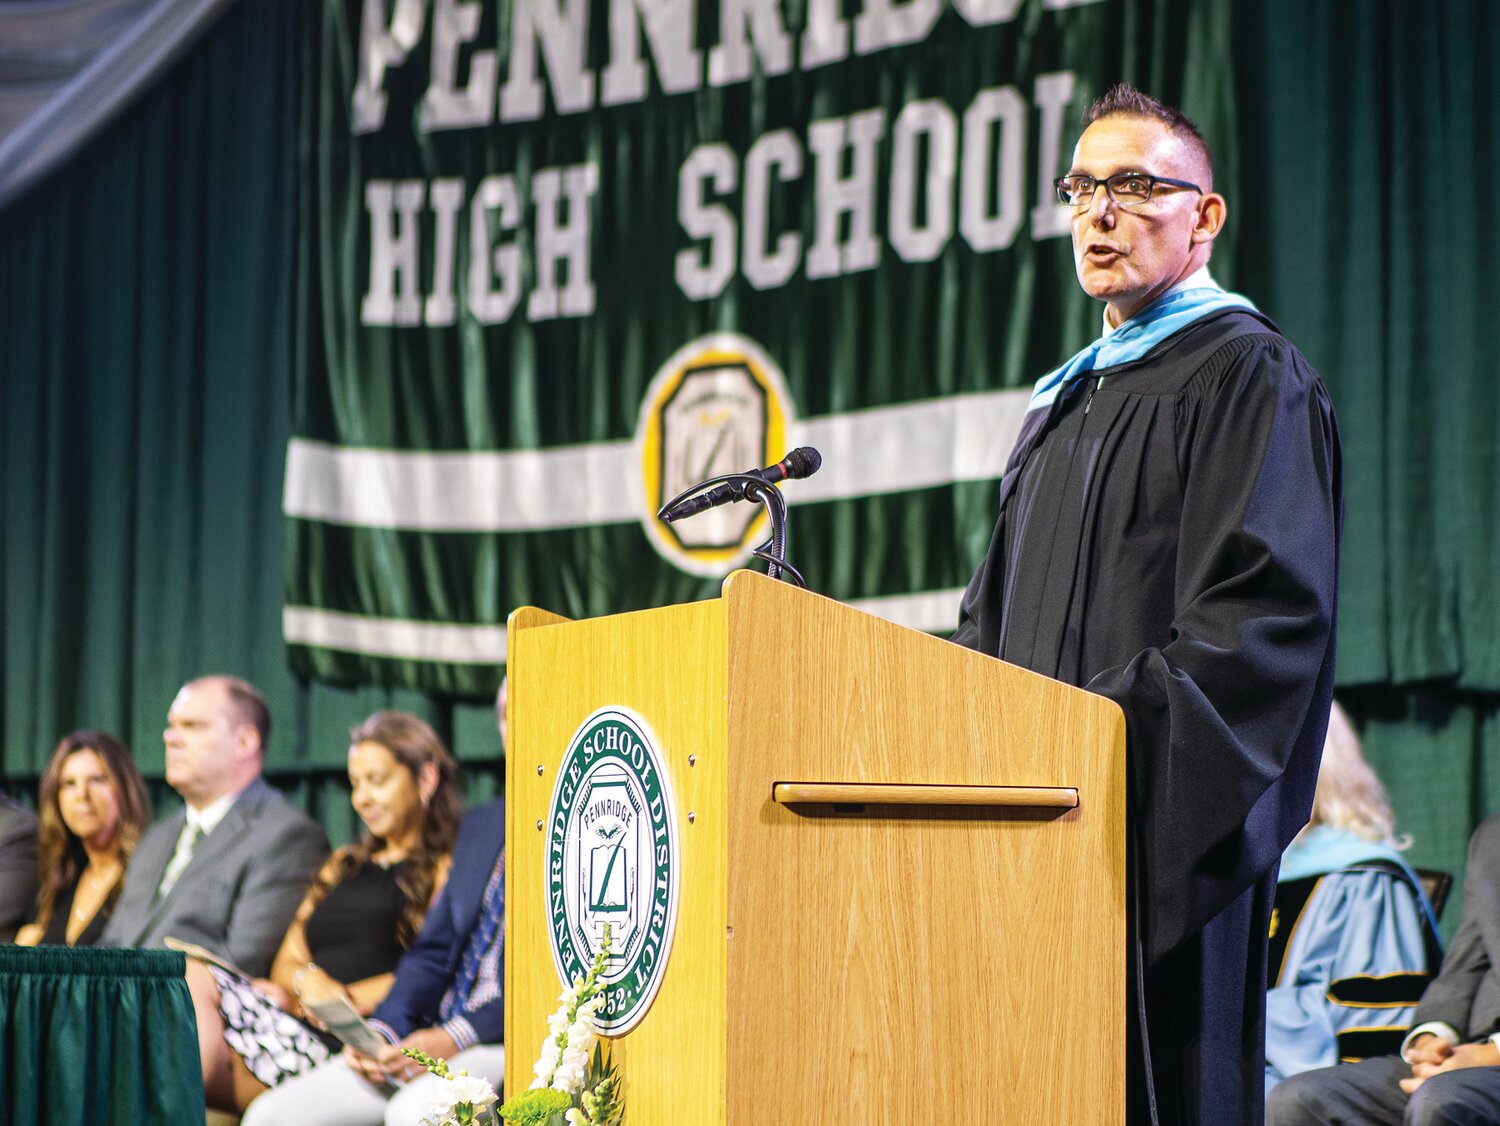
[
  {"x": 183, "y": 300},
  {"x": 1361, "y": 134},
  {"x": 1361, "y": 124},
  {"x": 146, "y": 317},
  {"x": 103, "y": 1037}
]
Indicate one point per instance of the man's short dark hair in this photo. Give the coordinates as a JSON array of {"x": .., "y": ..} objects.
[
  {"x": 249, "y": 706},
  {"x": 1124, "y": 100}
]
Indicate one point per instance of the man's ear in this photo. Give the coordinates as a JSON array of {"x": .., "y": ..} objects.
[
  {"x": 247, "y": 740},
  {"x": 1212, "y": 212}
]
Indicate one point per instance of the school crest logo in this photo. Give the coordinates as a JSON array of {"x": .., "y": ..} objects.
[
  {"x": 612, "y": 859},
  {"x": 719, "y": 405}
]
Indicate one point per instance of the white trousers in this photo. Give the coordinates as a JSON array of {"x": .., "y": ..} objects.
[{"x": 332, "y": 1095}]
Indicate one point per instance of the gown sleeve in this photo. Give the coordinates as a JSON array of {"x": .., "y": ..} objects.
[{"x": 1226, "y": 720}]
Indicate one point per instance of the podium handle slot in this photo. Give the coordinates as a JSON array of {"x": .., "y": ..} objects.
[{"x": 881, "y": 793}]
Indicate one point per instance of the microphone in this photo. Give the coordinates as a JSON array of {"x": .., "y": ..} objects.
[{"x": 802, "y": 462}]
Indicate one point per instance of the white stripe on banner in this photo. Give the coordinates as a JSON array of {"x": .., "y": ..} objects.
[
  {"x": 525, "y": 490},
  {"x": 911, "y": 446},
  {"x": 393, "y": 637},
  {"x": 865, "y": 453},
  {"x": 933, "y": 611}
]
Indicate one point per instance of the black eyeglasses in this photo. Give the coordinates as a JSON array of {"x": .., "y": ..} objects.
[{"x": 1128, "y": 189}]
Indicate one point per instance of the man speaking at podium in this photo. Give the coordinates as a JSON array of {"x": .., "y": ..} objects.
[{"x": 1168, "y": 538}]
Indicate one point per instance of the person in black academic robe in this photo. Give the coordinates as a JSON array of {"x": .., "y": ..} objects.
[{"x": 1168, "y": 538}]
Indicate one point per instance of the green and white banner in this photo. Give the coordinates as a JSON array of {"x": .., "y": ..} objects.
[{"x": 561, "y": 258}]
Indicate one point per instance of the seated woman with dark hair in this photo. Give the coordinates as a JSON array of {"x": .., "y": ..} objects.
[
  {"x": 362, "y": 911},
  {"x": 1353, "y": 938},
  {"x": 93, "y": 809}
]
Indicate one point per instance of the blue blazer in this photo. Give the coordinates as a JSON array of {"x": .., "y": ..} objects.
[{"x": 425, "y": 972}]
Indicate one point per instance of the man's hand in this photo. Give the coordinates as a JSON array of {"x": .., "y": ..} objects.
[
  {"x": 1428, "y": 1048},
  {"x": 1465, "y": 1055},
  {"x": 434, "y": 1041}
]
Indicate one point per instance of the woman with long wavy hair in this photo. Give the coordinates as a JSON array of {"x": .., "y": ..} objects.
[
  {"x": 94, "y": 808},
  {"x": 362, "y": 911}
]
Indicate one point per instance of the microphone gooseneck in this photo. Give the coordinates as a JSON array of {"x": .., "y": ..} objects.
[
  {"x": 802, "y": 462},
  {"x": 758, "y": 485}
]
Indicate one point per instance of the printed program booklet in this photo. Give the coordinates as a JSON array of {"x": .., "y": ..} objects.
[{"x": 202, "y": 954}]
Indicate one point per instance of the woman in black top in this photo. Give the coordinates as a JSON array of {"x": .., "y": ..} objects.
[
  {"x": 93, "y": 809},
  {"x": 362, "y": 911}
]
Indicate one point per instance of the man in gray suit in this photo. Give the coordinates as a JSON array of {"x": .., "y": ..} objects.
[
  {"x": 18, "y": 874},
  {"x": 228, "y": 871},
  {"x": 1449, "y": 1067}
]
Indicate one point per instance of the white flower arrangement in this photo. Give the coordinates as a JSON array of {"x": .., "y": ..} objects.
[
  {"x": 573, "y": 1085},
  {"x": 564, "y": 1062},
  {"x": 462, "y": 1099}
]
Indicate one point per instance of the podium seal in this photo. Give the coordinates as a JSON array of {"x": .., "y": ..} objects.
[{"x": 612, "y": 859}]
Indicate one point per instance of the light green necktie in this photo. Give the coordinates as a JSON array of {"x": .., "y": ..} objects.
[{"x": 186, "y": 842}]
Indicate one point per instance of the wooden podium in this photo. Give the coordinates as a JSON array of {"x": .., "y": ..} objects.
[{"x": 902, "y": 867}]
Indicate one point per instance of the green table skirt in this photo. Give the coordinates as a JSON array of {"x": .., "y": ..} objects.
[{"x": 94, "y": 1036}]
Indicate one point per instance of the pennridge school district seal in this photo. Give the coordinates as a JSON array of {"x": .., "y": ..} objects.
[{"x": 612, "y": 858}]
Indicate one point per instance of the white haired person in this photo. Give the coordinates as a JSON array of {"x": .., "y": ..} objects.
[{"x": 1353, "y": 938}]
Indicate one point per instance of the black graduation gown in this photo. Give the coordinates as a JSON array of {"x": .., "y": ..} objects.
[{"x": 1170, "y": 540}]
